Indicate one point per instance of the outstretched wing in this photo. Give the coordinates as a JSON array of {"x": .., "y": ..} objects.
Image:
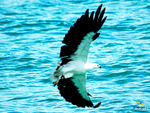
[
  {"x": 74, "y": 90},
  {"x": 76, "y": 47},
  {"x": 80, "y": 36}
]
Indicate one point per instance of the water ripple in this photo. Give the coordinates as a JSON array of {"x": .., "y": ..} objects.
[{"x": 31, "y": 33}]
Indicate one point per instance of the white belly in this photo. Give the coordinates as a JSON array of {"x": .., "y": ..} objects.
[{"x": 76, "y": 67}]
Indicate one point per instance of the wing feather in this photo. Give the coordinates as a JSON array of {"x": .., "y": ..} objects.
[
  {"x": 91, "y": 16},
  {"x": 79, "y": 36},
  {"x": 97, "y": 13},
  {"x": 74, "y": 90},
  {"x": 76, "y": 47}
]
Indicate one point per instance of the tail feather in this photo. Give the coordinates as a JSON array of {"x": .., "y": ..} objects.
[{"x": 53, "y": 78}]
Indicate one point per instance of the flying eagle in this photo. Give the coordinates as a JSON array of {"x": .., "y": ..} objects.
[{"x": 70, "y": 72}]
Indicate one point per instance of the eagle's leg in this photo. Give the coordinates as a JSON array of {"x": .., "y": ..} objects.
[
  {"x": 56, "y": 82},
  {"x": 63, "y": 76}
]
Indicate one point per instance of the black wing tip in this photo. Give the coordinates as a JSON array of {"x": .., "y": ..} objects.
[
  {"x": 97, "y": 13},
  {"x": 100, "y": 6},
  {"x": 104, "y": 19},
  {"x": 81, "y": 27},
  {"x": 70, "y": 93},
  {"x": 91, "y": 16},
  {"x": 104, "y": 9},
  {"x": 87, "y": 12},
  {"x": 99, "y": 18},
  {"x": 97, "y": 105},
  {"x": 96, "y": 36}
]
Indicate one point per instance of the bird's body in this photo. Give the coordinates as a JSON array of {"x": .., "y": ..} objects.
[
  {"x": 74, "y": 64},
  {"x": 78, "y": 63},
  {"x": 73, "y": 67}
]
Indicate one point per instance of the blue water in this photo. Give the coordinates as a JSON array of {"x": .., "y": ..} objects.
[{"x": 31, "y": 32}]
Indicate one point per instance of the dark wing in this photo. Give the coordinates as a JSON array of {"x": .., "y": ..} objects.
[
  {"x": 74, "y": 90},
  {"x": 80, "y": 36}
]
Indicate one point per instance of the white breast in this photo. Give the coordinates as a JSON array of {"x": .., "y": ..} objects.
[{"x": 76, "y": 67}]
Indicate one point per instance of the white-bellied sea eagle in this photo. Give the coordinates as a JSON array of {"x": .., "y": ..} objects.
[{"x": 70, "y": 72}]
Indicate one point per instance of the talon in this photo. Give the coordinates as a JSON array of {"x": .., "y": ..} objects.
[{"x": 56, "y": 82}]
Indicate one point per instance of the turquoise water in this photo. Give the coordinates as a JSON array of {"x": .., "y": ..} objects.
[{"x": 31, "y": 33}]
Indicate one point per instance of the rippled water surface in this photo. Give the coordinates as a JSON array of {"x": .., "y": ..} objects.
[{"x": 31, "y": 32}]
